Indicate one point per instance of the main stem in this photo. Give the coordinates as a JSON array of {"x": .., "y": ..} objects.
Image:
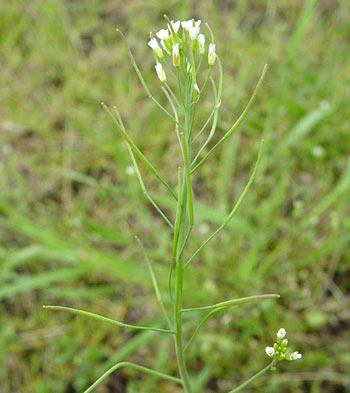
[{"x": 180, "y": 271}]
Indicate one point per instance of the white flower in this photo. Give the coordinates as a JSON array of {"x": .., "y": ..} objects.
[
  {"x": 281, "y": 333},
  {"x": 193, "y": 32},
  {"x": 160, "y": 72},
  {"x": 201, "y": 44},
  {"x": 153, "y": 43},
  {"x": 269, "y": 351},
  {"x": 295, "y": 356},
  {"x": 197, "y": 88},
  {"x": 186, "y": 24},
  {"x": 163, "y": 34},
  {"x": 176, "y": 55},
  {"x": 175, "y": 25},
  {"x": 211, "y": 54}
]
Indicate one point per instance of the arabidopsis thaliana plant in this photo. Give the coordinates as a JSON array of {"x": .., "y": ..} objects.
[{"x": 160, "y": 72}]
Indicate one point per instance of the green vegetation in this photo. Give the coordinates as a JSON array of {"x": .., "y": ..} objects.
[{"x": 70, "y": 206}]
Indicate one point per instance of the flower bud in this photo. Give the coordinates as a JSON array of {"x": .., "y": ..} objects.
[
  {"x": 211, "y": 54},
  {"x": 176, "y": 55},
  {"x": 284, "y": 343},
  {"x": 160, "y": 72},
  {"x": 197, "y": 88},
  {"x": 153, "y": 43},
  {"x": 201, "y": 44}
]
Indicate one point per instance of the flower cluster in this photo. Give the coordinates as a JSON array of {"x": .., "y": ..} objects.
[
  {"x": 278, "y": 351},
  {"x": 181, "y": 40}
]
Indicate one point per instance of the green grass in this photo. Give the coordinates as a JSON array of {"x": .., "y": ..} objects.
[{"x": 69, "y": 210}]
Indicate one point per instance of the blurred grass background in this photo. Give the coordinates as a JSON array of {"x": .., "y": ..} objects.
[{"x": 69, "y": 206}]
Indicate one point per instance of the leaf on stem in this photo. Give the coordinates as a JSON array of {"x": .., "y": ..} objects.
[
  {"x": 104, "y": 319},
  {"x": 235, "y": 208},
  {"x": 135, "y": 366},
  {"x": 237, "y": 123}
]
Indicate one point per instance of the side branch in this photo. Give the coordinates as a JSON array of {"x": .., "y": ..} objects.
[
  {"x": 234, "y": 302},
  {"x": 237, "y": 123},
  {"x": 104, "y": 319},
  {"x": 137, "y": 151},
  {"x": 235, "y": 208},
  {"x": 135, "y": 366},
  {"x": 221, "y": 306},
  {"x": 247, "y": 382}
]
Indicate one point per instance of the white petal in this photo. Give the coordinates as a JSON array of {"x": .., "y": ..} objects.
[
  {"x": 281, "y": 333},
  {"x": 269, "y": 351},
  {"x": 162, "y": 34}
]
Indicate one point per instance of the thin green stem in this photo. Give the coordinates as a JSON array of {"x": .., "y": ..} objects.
[
  {"x": 211, "y": 134},
  {"x": 179, "y": 86},
  {"x": 135, "y": 366},
  {"x": 176, "y": 235},
  {"x": 137, "y": 151},
  {"x": 235, "y": 208},
  {"x": 234, "y": 302},
  {"x": 253, "y": 378},
  {"x": 139, "y": 176},
  {"x": 174, "y": 98},
  {"x": 154, "y": 282},
  {"x": 237, "y": 123},
  {"x": 222, "y": 306},
  {"x": 201, "y": 323},
  {"x": 182, "y": 239},
  {"x": 104, "y": 319},
  {"x": 144, "y": 190},
  {"x": 189, "y": 190}
]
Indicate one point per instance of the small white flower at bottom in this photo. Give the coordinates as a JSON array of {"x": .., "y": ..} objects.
[
  {"x": 160, "y": 72},
  {"x": 281, "y": 333},
  {"x": 269, "y": 351},
  {"x": 295, "y": 356}
]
